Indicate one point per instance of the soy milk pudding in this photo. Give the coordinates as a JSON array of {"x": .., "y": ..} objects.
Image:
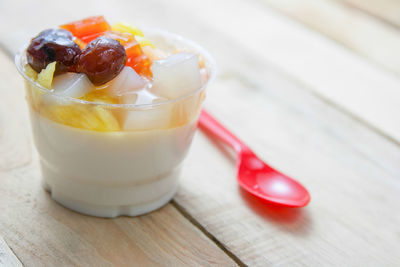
[{"x": 113, "y": 112}]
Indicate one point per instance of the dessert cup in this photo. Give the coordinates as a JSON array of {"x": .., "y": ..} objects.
[{"x": 114, "y": 172}]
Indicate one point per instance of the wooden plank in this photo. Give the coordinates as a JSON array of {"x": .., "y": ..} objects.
[
  {"x": 386, "y": 10},
  {"x": 42, "y": 232},
  {"x": 352, "y": 172},
  {"x": 7, "y": 257},
  {"x": 365, "y": 35}
]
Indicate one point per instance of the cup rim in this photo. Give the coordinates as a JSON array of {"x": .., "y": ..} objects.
[{"x": 168, "y": 35}]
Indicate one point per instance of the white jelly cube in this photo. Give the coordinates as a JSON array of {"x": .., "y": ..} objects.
[
  {"x": 126, "y": 82},
  {"x": 69, "y": 84},
  {"x": 142, "y": 119},
  {"x": 72, "y": 84},
  {"x": 176, "y": 75}
]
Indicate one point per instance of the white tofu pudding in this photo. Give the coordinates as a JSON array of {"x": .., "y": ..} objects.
[{"x": 119, "y": 158}]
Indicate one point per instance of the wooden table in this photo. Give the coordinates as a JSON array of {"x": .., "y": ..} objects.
[{"x": 312, "y": 85}]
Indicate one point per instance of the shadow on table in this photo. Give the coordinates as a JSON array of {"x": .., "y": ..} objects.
[{"x": 294, "y": 220}]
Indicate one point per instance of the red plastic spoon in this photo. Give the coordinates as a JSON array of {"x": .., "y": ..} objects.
[{"x": 254, "y": 175}]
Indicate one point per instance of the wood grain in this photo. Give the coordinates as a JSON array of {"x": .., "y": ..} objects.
[
  {"x": 352, "y": 175},
  {"x": 288, "y": 93},
  {"x": 386, "y": 10},
  {"x": 42, "y": 233},
  {"x": 363, "y": 34},
  {"x": 7, "y": 257}
]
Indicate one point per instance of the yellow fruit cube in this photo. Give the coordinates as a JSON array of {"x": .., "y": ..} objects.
[
  {"x": 99, "y": 96},
  {"x": 31, "y": 73},
  {"x": 45, "y": 77},
  {"x": 143, "y": 41},
  {"x": 124, "y": 27},
  {"x": 87, "y": 117},
  {"x": 108, "y": 120}
]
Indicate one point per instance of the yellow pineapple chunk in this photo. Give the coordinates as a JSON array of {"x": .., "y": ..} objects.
[
  {"x": 31, "y": 73},
  {"x": 87, "y": 117},
  {"x": 84, "y": 116},
  {"x": 124, "y": 27},
  {"x": 143, "y": 41},
  {"x": 99, "y": 96},
  {"x": 107, "y": 118},
  {"x": 45, "y": 77}
]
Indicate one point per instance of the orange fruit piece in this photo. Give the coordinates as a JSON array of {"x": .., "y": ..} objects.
[
  {"x": 133, "y": 49},
  {"x": 136, "y": 59},
  {"x": 87, "y": 27},
  {"x": 141, "y": 64},
  {"x": 79, "y": 42}
]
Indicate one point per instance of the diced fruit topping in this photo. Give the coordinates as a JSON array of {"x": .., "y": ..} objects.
[
  {"x": 56, "y": 33},
  {"x": 140, "y": 64},
  {"x": 144, "y": 42},
  {"x": 126, "y": 82},
  {"x": 156, "y": 118},
  {"x": 79, "y": 42},
  {"x": 136, "y": 59},
  {"x": 89, "y": 38},
  {"x": 141, "y": 97},
  {"x": 84, "y": 28},
  {"x": 72, "y": 84},
  {"x": 176, "y": 75},
  {"x": 99, "y": 96},
  {"x": 31, "y": 73},
  {"x": 125, "y": 27},
  {"x": 121, "y": 37},
  {"x": 95, "y": 118},
  {"x": 112, "y": 65},
  {"x": 133, "y": 49},
  {"x": 52, "y": 45},
  {"x": 45, "y": 77},
  {"x": 102, "y": 60}
]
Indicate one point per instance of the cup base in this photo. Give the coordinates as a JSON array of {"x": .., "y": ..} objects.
[
  {"x": 110, "y": 200},
  {"x": 109, "y": 211}
]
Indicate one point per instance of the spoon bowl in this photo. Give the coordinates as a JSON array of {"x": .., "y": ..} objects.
[
  {"x": 264, "y": 182},
  {"x": 254, "y": 175}
]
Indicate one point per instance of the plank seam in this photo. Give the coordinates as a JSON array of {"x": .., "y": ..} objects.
[
  {"x": 15, "y": 254},
  {"x": 196, "y": 224},
  {"x": 377, "y": 17}
]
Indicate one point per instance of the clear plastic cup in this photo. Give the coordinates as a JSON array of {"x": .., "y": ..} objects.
[{"x": 111, "y": 172}]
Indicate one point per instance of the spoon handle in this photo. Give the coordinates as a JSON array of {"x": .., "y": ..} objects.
[{"x": 211, "y": 125}]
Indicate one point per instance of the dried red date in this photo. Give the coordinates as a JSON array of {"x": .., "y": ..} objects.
[
  {"x": 101, "y": 60},
  {"x": 53, "y": 45},
  {"x": 57, "y": 33}
]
